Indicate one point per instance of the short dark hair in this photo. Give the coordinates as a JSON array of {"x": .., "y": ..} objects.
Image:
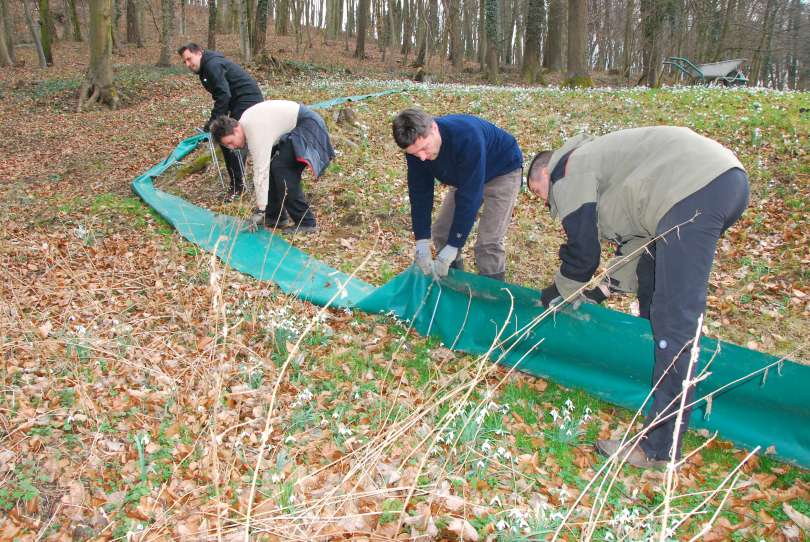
[
  {"x": 221, "y": 127},
  {"x": 410, "y": 124},
  {"x": 191, "y": 47},
  {"x": 540, "y": 160}
]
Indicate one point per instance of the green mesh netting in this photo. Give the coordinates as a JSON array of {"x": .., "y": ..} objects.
[{"x": 755, "y": 399}]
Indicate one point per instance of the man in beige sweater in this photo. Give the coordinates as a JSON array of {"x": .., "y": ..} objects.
[
  {"x": 663, "y": 195},
  {"x": 283, "y": 138}
]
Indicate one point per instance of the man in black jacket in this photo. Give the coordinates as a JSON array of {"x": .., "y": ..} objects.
[{"x": 233, "y": 90}]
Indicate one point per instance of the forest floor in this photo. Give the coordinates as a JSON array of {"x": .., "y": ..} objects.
[{"x": 124, "y": 416}]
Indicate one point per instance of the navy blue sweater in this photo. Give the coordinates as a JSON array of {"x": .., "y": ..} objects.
[{"x": 473, "y": 152}]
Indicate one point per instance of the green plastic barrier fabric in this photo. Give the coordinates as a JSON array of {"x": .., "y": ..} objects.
[{"x": 603, "y": 352}]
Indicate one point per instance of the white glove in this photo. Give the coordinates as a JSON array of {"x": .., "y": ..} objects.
[
  {"x": 423, "y": 257},
  {"x": 255, "y": 220},
  {"x": 441, "y": 266}
]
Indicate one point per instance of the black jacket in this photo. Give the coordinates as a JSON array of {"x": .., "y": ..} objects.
[
  {"x": 232, "y": 88},
  {"x": 310, "y": 140}
]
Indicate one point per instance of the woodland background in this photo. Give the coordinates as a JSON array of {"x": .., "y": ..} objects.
[{"x": 127, "y": 413}]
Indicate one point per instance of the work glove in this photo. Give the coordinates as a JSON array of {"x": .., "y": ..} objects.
[
  {"x": 255, "y": 220},
  {"x": 441, "y": 265},
  {"x": 550, "y": 296},
  {"x": 594, "y": 295},
  {"x": 422, "y": 256}
]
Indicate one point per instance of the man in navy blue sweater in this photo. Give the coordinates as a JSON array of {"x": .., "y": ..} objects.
[{"x": 482, "y": 165}]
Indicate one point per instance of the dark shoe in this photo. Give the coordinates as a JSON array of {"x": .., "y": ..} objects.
[
  {"x": 293, "y": 229},
  {"x": 279, "y": 224},
  {"x": 636, "y": 457},
  {"x": 458, "y": 265},
  {"x": 232, "y": 195},
  {"x": 496, "y": 276}
]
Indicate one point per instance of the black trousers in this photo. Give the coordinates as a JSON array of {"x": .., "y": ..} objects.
[
  {"x": 235, "y": 160},
  {"x": 672, "y": 289},
  {"x": 286, "y": 197}
]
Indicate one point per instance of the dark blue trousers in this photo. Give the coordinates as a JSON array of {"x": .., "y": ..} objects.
[{"x": 672, "y": 289}]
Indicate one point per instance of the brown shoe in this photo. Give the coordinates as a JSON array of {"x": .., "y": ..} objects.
[{"x": 636, "y": 457}]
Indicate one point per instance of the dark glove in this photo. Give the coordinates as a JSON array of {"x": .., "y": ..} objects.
[
  {"x": 550, "y": 296},
  {"x": 207, "y": 127},
  {"x": 596, "y": 295}
]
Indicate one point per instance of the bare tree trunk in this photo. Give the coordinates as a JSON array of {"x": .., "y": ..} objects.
[
  {"x": 451, "y": 10},
  {"x": 395, "y": 23},
  {"x": 531, "y": 56},
  {"x": 577, "y": 74},
  {"x": 467, "y": 36},
  {"x": 491, "y": 24},
  {"x": 362, "y": 22},
  {"x": 212, "y": 25},
  {"x": 794, "y": 31},
  {"x": 134, "y": 23},
  {"x": 5, "y": 57},
  {"x": 116, "y": 19},
  {"x": 651, "y": 51},
  {"x": 45, "y": 29},
  {"x": 182, "y": 29},
  {"x": 244, "y": 32},
  {"x": 552, "y": 60},
  {"x": 260, "y": 27},
  {"x": 72, "y": 20},
  {"x": 332, "y": 19},
  {"x": 43, "y": 63},
  {"x": 8, "y": 31},
  {"x": 423, "y": 32},
  {"x": 282, "y": 17},
  {"x": 721, "y": 41},
  {"x": 8, "y": 27},
  {"x": 407, "y": 30},
  {"x": 509, "y": 23},
  {"x": 166, "y": 33},
  {"x": 761, "y": 53},
  {"x": 433, "y": 25},
  {"x": 627, "y": 46},
  {"x": 379, "y": 24},
  {"x": 98, "y": 86},
  {"x": 482, "y": 35}
]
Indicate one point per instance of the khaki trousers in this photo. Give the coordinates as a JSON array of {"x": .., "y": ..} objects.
[{"x": 500, "y": 195}]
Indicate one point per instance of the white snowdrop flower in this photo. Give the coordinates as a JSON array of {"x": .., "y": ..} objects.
[
  {"x": 501, "y": 525},
  {"x": 480, "y": 465},
  {"x": 335, "y": 415},
  {"x": 554, "y": 414},
  {"x": 502, "y": 452},
  {"x": 289, "y": 440},
  {"x": 81, "y": 232},
  {"x": 495, "y": 501},
  {"x": 343, "y": 430},
  {"x": 276, "y": 478},
  {"x": 569, "y": 405},
  {"x": 486, "y": 447},
  {"x": 356, "y": 395},
  {"x": 81, "y": 330}
]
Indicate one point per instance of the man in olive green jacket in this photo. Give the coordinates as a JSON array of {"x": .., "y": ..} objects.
[{"x": 663, "y": 195}]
